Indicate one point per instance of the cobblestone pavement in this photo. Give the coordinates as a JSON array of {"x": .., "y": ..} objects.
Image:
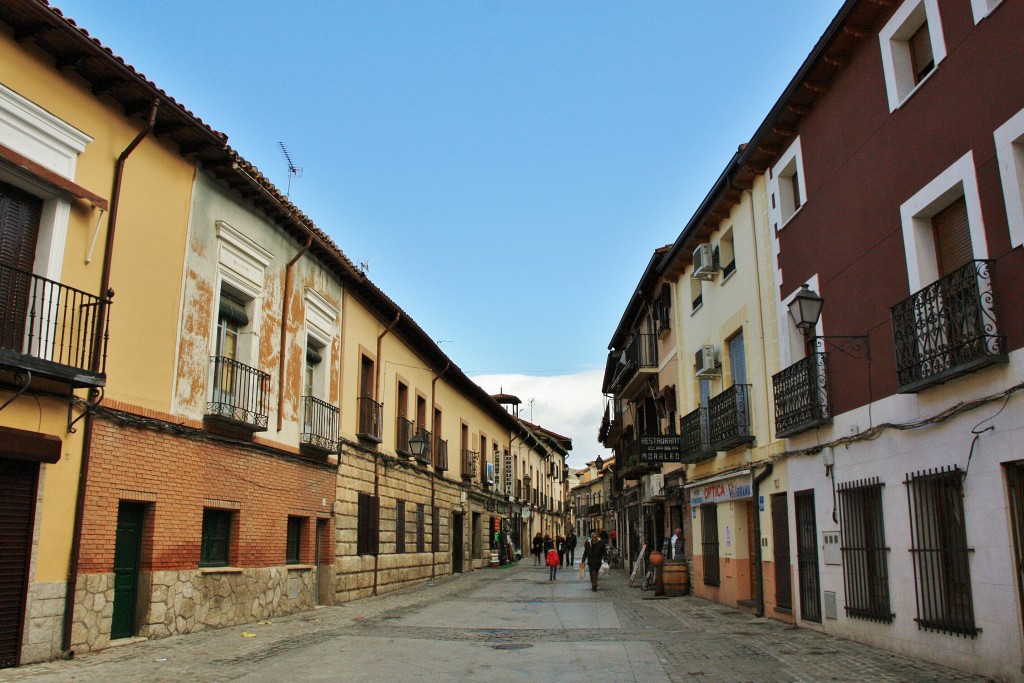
[{"x": 506, "y": 624}]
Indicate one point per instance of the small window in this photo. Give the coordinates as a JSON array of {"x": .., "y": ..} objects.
[
  {"x": 696, "y": 293},
  {"x": 787, "y": 187},
  {"x": 399, "y": 526},
  {"x": 216, "y": 541},
  {"x": 368, "y": 525},
  {"x": 293, "y": 553},
  {"x": 912, "y": 46},
  {"x": 421, "y": 525},
  {"x": 726, "y": 254},
  {"x": 1009, "y": 139},
  {"x": 982, "y": 8}
]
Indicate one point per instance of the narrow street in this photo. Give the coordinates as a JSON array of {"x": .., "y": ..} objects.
[{"x": 503, "y": 624}]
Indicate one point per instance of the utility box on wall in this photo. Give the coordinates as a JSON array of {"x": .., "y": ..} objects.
[{"x": 831, "y": 547}]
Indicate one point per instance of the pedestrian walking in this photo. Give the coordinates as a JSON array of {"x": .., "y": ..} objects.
[
  {"x": 553, "y": 565},
  {"x": 560, "y": 547},
  {"x": 593, "y": 556},
  {"x": 570, "y": 549},
  {"x": 538, "y": 548},
  {"x": 548, "y": 543}
]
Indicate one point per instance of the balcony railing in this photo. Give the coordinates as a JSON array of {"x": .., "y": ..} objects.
[
  {"x": 403, "y": 432},
  {"x": 801, "y": 396},
  {"x": 947, "y": 329},
  {"x": 239, "y": 396},
  {"x": 51, "y": 329},
  {"x": 695, "y": 436},
  {"x": 319, "y": 425},
  {"x": 469, "y": 461},
  {"x": 369, "y": 419},
  {"x": 729, "y": 418},
  {"x": 441, "y": 455},
  {"x": 640, "y": 354}
]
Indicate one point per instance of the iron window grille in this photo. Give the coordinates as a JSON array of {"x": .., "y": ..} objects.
[
  {"x": 865, "y": 555},
  {"x": 709, "y": 543},
  {"x": 942, "y": 576},
  {"x": 239, "y": 394},
  {"x": 403, "y": 432},
  {"x": 369, "y": 419},
  {"x": 399, "y": 526},
  {"x": 729, "y": 418},
  {"x": 801, "y": 396},
  {"x": 319, "y": 425},
  {"x": 420, "y": 528}
]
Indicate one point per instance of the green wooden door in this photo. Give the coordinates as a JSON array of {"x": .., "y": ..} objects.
[{"x": 127, "y": 551}]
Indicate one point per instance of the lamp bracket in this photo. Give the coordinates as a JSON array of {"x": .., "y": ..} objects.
[{"x": 855, "y": 346}]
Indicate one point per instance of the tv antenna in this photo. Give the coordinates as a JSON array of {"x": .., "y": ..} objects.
[{"x": 293, "y": 170}]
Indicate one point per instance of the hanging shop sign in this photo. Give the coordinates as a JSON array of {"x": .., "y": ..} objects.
[
  {"x": 661, "y": 448},
  {"x": 721, "y": 490}
]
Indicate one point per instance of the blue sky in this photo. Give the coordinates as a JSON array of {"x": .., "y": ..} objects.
[{"x": 504, "y": 168}]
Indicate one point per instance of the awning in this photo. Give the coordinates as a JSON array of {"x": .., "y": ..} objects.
[{"x": 51, "y": 178}]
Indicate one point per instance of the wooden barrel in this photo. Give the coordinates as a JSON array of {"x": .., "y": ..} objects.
[{"x": 676, "y": 577}]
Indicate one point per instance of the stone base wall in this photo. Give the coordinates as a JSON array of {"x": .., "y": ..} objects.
[
  {"x": 44, "y": 621},
  {"x": 174, "y": 602}
]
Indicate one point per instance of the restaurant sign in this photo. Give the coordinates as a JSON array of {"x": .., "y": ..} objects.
[
  {"x": 661, "y": 449},
  {"x": 723, "y": 491}
]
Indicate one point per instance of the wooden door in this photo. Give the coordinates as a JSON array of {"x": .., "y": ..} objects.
[
  {"x": 127, "y": 556},
  {"x": 18, "y": 484}
]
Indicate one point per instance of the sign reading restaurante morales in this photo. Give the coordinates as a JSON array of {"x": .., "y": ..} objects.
[{"x": 661, "y": 449}]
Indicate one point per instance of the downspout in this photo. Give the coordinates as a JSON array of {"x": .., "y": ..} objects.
[
  {"x": 433, "y": 476},
  {"x": 376, "y": 454},
  {"x": 96, "y": 362},
  {"x": 758, "y": 569},
  {"x": 284, "y": 328}
]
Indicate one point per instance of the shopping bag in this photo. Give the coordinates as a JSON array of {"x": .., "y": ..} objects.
[
  {"x": 604, "y": 568},
  {"x": 582, "y": 565}
]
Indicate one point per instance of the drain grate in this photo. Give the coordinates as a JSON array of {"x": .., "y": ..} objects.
[{"x": 511, "y": 646}]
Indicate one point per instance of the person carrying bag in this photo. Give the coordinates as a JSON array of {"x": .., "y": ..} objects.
[{"x": 593, "y": 557}]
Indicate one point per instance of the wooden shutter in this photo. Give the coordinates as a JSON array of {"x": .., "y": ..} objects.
[
  {"x": 19, "y": 226},
  {"x": 737, "y": 360},
  {"x": 952, "y": 237},
  {"x": 368, "y": 534},
  {"x": 921, "y": 59},
  {"x": 18, "y": 483}
]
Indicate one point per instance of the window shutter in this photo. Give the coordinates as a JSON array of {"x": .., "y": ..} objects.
[
  {"x": 19, "y": 225},
  {"x": 952, "y": 237},
  {"x": 921, "y": 57}
]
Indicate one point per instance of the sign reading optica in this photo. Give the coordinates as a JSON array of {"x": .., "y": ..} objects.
[
  {"x": 661, "y": 449},
  {"x": 722, "y": 491}
]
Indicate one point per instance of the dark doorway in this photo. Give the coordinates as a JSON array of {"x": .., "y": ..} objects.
[
  {"x": 457, "y": 543},
  {"x": 783, "y": 570},
  {"x": 807, "y": 556},
  {"x": 127, "y": 556},
  {"x": 18, "y": 484}
]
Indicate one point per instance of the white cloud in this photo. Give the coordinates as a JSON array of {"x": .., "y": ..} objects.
[{"x": 570, "y": 405}]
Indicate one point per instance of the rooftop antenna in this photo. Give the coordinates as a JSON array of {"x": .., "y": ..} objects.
[{"x": 293, "y": 170}]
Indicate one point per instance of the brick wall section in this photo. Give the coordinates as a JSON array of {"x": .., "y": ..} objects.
[{"x": 181, "y": 474}]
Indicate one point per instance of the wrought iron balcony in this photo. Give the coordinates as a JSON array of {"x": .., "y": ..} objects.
[
  {"x": 319, "y": 425},
  {"x": 239, "y": 396},
  {"x": 947, "y": 329},
  {"x": 469, "y": 461},
  {"x": 639, "y": 360},
  {"x": 695, "y": 436},
  {"x": 801, "y": 396},
  {"x": 51, "y": 330},
  {"x": 729, "y": 418},
  {"x": 403, "y": 432},
  {"x": 441, "y": 455},
  {"x": 369, "y": 419}
]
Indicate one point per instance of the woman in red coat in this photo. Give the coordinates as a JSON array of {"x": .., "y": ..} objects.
[{"x": 553, "y": 562}]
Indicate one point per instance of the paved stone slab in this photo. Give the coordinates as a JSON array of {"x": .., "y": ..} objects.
[{"x": 514, "y": 615}]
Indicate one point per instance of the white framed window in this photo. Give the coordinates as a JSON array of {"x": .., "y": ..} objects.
[
  {"x": 321, "y": 317},
  {"x": 1009, "y": 139},
  {"x": 982, "y": 8},
  {"x": 922, "y": 237},
  {"x": 912, "y": 46},
  {"x": 787, "y": 188},
  {"x": 241, "y": 270},
  {"x": 696, "y": 294},
  {"x": 55, "y": 145}
]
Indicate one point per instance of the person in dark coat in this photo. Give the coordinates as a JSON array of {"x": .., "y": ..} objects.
[
  {"x": 560, "y": 547},
  {"x": 538, "y": 548},
  {"x": 570, "y": 549},
  {"x": 593, "y": 556}
]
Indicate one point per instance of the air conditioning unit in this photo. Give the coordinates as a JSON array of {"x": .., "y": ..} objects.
[
  {"x": 705, "y": 362},
  {"x": 490, "y": 474},
  {"x": 655, "y": 487},
  {"x": 704, "y": 266}
]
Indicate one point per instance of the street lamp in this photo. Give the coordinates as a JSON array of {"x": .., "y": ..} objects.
[
  {"x": 599, "y": 463},
  {"x": 805, "y": 309},
  {"x": 419, "y": 445}
]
